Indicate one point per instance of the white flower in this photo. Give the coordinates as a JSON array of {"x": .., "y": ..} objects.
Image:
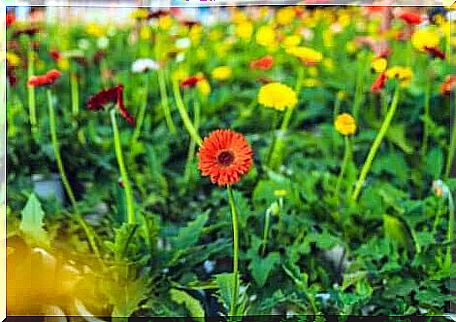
[
  {"x": 440, "y": 188},
  {"x": 142, "y": 65},
  {"x": 183, "y": 43},
  {"x": 84, "y": 44},
  {"x": 103, "y": 42},
  {"x": 180, "y": 57},
  {"x": 208, "y": 266}
]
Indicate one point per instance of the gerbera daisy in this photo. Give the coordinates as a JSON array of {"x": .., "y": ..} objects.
[
  {"x": 410, "y": 18},
  {"x": 345, "y": 124},
  {"x": 277, "y": 96},
  {"x": 263, "y": 63},
  {"x": 379, "y": 83},
  {"x": 225, "y": 156},
  {"x": 113, "y": 95},
  {"x": 47, "y": 79},
  {"x": 191, "y": 81}
]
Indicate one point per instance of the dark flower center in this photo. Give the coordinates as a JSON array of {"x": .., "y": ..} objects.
[{"x": 225, "y": 158}]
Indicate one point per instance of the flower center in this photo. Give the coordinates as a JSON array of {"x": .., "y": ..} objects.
[{"x": 225, "y": 158}]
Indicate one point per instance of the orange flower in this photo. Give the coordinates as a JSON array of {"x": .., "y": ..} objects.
[
  {"x": 191, "y": 81},
  {"x": 47, "y": 79},
  {"x": 379, "y": 83},
  {"x": 263, "y": 63},
  {"x": 225, "y": 156},
  {"x": 448, "y": 85},
  {"x": 410, "y": 18}
]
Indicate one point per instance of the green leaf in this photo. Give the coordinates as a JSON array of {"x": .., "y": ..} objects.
[
  {"x": 396, "y": 134},
  {"x": 225, "y": 288},
  {"x": 434, "y": 162},
  {"x": 126, "y": 296},
  {"x": 262, "y": 267},
  {"x": 189, "y": 235},
  {"x": 32, "y": 222},
  {"x": 123, "y": 238},
  {"x": 396, "y": 230},
  {"x": 192, "y": 304}
]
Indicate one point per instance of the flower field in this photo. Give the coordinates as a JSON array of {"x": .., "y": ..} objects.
[{"x": 276, "y": 161}]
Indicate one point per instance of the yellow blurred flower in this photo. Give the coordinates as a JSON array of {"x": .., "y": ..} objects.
[
  {"x": 238, "y": 16},
  {"x": 277, "y": 96},
  {"x": 195, "y": 34},
  {"x": 328, "y": 38},
  {"x": 222, "y": 72},
  {"x": 12, "y": 59},
  {"x": 145, "y": 33},
  {"x": 203, "y": 87},
  {"x": 63, "y": 64},
  {"x": 165, "y": 22},
  {"x": 423, "y": 38},
  {"x": 291, "y": 41},
  {"x": 311, "y": 82},
  {"x": 345, "y": 124},
  {"x": 402, "y": 74},
  {"x": 379, "y": 65},
  {"x": 306, "y": 54},
  {"x": 179, "y": 74},
  {"x": 285, "y": 15},
  {"x": 215, "y": 35},
  {"x": 244, "y": 30},
  {"x": 140, "y": 13},
  {"x": 266, "y": 36},
  {"x": 95, "y": 30}
]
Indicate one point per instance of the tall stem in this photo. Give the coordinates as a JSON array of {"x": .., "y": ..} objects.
[
  {"x": 235, "y": 282},
  {"x": 74, "y": 94},
  {"x": 184, "y": 115},
  {"x": 267, "y": 222},
  {"x": 142, "y": 111},
  {"x": 427, "y": 116},
  {"x": 450, "y": 228},
  {"x": 376, "y": 144},
  {"x": 66, "y": 184},
  {"x": 192, "y": 147},
  {"x": 347, "y": 155},
  {"x": 31, "y": 90},
  {"x": 123, "y": 171},
  {"x": 452, "y": 146}
]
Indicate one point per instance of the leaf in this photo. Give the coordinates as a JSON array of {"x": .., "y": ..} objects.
[
  {"x": 225, "y": 290},
  {"x": 434, "y": 162},
  {"x": 397, "y": 231},
  {"x": 123, "y": 237},
  {"x": 396, "y": 134},
  {"x": 261, "y": 267},
  {"x": 192, "y": 304},
  {"x": 32, "y": 222},
  {"x": 189, "y": 235},
  {"x": 126, "y": 296}
]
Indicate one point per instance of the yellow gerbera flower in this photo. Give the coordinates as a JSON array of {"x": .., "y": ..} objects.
[
  {"x": 203, "y": 87},
  {"x": 165, "y": 22},
  {"x": 277, "y": 96},
  {"x": 244, "y": 30},
  {"x": 402, "y": 74},
  {"x": 345, "y": 124},
  {"x": 95, "y": 30},
  {"x": 13, "y": 59},
  {"x": 291, "y": 41},
  {"x": 285, "y": 15},
  {"x": 423, "y": 38},
  {"x": 266, "y": 36},
  {"x": 221, "y": 72},
  {"x": 306, "y": 54},
  {"x": 140, "y": 13},
  {"x": 379, "y": 65}
]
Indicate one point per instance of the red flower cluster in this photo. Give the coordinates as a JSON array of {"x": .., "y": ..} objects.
[
  {"x": 191, "y": 81},
  {"x": 113, "y": 95},
  {"x": 47, "y": 79},
  {"x": 379, "y": 83},
  {"x": 263, "y": 63},
  {"x": 225, "y": 156},
  {"x": 410, "y": 18}
]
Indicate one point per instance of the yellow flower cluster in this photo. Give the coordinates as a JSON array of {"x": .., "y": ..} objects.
[{"x": 277, "y": 96}]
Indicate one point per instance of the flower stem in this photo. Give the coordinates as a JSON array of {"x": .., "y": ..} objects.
[
  {"x": 165, "y": 101},
  {"x": 376, "y": 144},
  {"x": 31, "y": 90},
  {"x": 142, "y": 112},
  {"x": 427, "y": 117},
  {"x": 192, "y": 147},
  {"x": 267, "y": 222},
  {"x": 347, "y": 156},
  {"x": 74, "y": 94},
  {"x": 123, "y": 171},
  {"x": 184, "y": 115},
  {"x": 235, "y": 282},
  {"x": 66, "y": 184},
  {"x": 450, "y": 228},
  {"x": 452, "y": 146}
]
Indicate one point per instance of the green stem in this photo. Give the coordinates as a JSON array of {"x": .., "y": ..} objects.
[
  {"x": 347, "y": 155},
  {"x": 376, "y": 144},
  {"x": 437, "y": 216},
  {"x": 142, "y": 111},
  {"x": 450, "y": 228},
  {"x": 427, "y": 117},
  {"x": 66, "y": 184},
  {"x": 235, "y": 282},
  {"x": 184, "y": 115},
  {"x": 266, "y": 232},
  {"x": 123, "y": 171},
  {"x": 192, "y": 146},
  {"x": 452, "y": 146},
  {"x": 359, "y": 87},
  {"x": 74, "y": 94},
  {"x": 31, "y": 90},
  {"x": 165, "y": 101}
]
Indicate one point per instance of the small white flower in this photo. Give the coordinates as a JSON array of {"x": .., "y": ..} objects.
[
  {"x": 103, "y": 42},
  {"x": 180, "y": 57},
  {"x": 183, "y": 43},
  {"x": 143, "y": 65},
  {"x": 84, "y": 44},
  {"x": 209, "y": 266},
  {"x": 440, "y": 188}
]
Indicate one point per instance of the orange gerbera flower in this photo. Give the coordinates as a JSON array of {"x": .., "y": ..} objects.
[
  {"x": 410, "y": 18},
  {"x": 225, "y": 156}
]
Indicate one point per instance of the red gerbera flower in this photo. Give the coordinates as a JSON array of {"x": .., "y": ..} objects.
[
  {"x": 225, "y": 156},
  {"x": 55, "y": 54},
  {"x": 47, "y": 79},
  {"x": 435, "y": 52},
  {"x": 191, "y": 81},
  {"x": 263, "y": 63},
  {"x": 379, "y": 83},
  {"x": 448, "y": 85},
  {"x": 10, "y": 19},
  {"x": 411, "y": 18},
  {"x": 113, "y": 95}
]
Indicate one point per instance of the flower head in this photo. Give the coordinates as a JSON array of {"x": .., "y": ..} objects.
[
  {"x": 225, "y": 156},
  {"x": 266, "y": 37},
  {"x": 10, "y": 19},
  {"x": 307, "y": 55},
  {"x": 143, "y": 65},
  {"x": 140, "y": 14},
  {"x": 440, "y": 188},
  {"x": 263, "y": 63},
  {"x": 402, "y": 74},
  {"x": 410, "y": 18},
  {"x": 285, "y": 15},
  {"x": 47, "y": 79},
  {"x": 222, "y": 72},
  {"x": 427, "y": 41},
  {"x": 244, "y": 30},
  {"x": 379, "y": 83},
  {"x": 345, "y": 124},
  {"x": 113, "y": 95},
  {"x": 277, "y": 96},
  {"x": 191, "y": 81},
  {"x": 379, "y": 64},
  {"x": 55, "y": 54}
]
